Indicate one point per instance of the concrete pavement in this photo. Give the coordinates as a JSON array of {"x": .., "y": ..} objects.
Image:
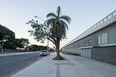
[{"x": 73, "y": 66}]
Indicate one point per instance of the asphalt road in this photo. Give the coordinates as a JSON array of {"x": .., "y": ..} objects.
[{"x": 10, "y": 65}]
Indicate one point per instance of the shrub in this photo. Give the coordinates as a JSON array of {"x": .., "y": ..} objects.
[{"x": 70, "y": 53}]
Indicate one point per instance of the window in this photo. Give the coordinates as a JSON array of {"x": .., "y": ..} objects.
[
  {"x": 99, "y": 40},
  {"x": 103, "y": 39},
  {"x": 90, "y": 42}
]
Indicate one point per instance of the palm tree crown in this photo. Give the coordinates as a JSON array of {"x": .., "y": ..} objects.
[{"x": 57, "y": 24}]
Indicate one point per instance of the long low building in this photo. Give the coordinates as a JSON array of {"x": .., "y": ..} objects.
[{"x": 98, "y": 42}]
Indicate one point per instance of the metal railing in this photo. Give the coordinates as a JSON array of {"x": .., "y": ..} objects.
[{"x": 101, "y": 21}]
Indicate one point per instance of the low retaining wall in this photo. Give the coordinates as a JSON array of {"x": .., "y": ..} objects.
[{"x": 14, "y": 50}]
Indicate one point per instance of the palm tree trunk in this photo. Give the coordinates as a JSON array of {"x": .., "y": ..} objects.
[
  {"x": 57, "y": 50},
  {"x": 58, "y": 57},
  {"x": 58, "y": 47}
]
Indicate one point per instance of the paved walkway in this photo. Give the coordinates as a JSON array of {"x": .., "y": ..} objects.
[{"x": 73, "y": 66}]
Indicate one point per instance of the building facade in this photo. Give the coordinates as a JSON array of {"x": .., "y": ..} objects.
[{"x": 98, "y": 42}]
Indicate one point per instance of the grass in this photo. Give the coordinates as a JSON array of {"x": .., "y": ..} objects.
[{"x": 70, "y": 53}]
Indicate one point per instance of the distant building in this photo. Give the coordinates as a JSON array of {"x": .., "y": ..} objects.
[{"x": 98, "y": 42}]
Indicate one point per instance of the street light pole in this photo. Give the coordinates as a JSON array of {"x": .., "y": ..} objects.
[
  {"x": 2, "y": 47},
  {"x": 47, "y": 39},
  {"x": 47, "y": 44}
]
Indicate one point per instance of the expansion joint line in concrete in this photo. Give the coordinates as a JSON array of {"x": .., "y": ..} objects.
[{"x": 58, "y": 67}]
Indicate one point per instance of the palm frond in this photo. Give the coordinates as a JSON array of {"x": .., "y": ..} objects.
[
  {"x": 58, "y": 24},
  {"x": 64, "y": 24},
  {"x": 58, "y": 11},
  {"x": 50, "y": 21},
  {"x": 66, "y": 18},
  {"x": 51, "y": 15}
]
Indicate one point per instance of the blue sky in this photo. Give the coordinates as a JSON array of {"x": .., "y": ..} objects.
[{"x": 84, "y": 13}]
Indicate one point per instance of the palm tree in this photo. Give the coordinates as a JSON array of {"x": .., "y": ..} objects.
[{"x": 57, "y": 25}]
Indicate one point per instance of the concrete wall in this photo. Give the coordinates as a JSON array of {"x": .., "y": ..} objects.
[{"x": 104, "y": 54}]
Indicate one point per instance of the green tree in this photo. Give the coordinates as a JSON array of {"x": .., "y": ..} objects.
[
  {"x": 54, "y": 29},
  {"x": 6, "y": 34},
  {"x": 36, "y": 47},
  {"x": 21, "y": 43},
  {"x": 16, "y": 43},
  {"x": 10, "y": 45}
]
